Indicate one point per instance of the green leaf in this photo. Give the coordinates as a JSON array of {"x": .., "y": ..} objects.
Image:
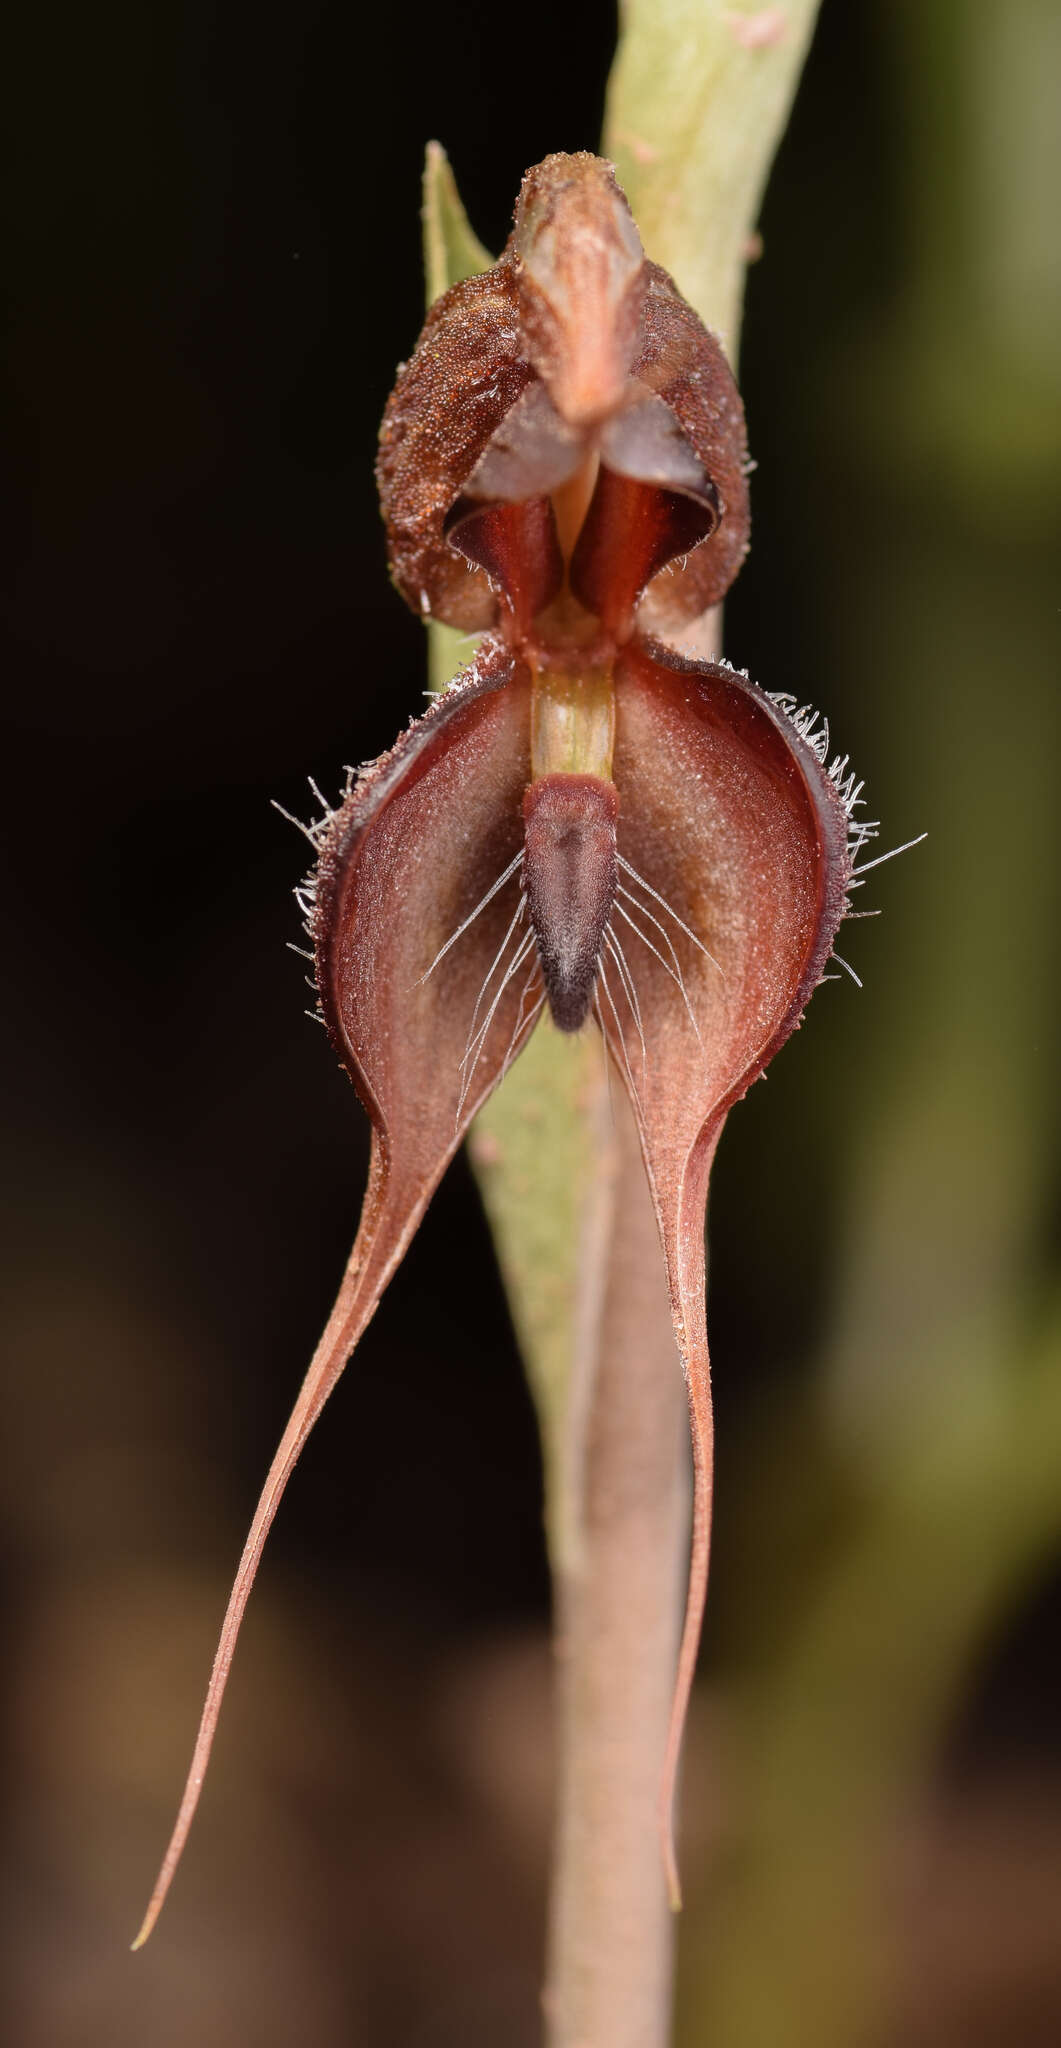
[{"x": 452, "y": 249}]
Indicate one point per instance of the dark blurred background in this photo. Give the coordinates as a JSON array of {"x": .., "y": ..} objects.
[{"x": 213, "y": 257}]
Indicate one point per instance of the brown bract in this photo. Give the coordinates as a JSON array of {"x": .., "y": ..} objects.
[{"x": 583, "y": 819}]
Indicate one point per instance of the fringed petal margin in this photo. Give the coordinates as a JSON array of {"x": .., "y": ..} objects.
[
  {"x": 734, "y": 868},
  {"x": 428, "y": 988}
]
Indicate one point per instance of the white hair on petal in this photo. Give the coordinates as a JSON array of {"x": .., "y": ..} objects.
[{"x": 813, "y": 730}]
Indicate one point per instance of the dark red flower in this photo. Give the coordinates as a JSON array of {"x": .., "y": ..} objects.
[{"x": 585, "y": 819}]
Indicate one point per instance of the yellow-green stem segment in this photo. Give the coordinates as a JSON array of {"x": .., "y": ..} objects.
[{"x": 573, "y": 722}]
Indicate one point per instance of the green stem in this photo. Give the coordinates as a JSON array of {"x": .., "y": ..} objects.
[{"x": 618, "y": 1609}]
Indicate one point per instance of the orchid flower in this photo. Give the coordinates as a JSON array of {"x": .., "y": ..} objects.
[{"x": 586, "y": 820}]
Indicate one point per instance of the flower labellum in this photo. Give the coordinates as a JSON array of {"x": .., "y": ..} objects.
[
  {"x": 585, "y": 819},
  {"x": 570, "y": 876}
]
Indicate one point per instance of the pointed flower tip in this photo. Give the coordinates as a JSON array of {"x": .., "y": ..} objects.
[{"x": 670, "y": 1865}]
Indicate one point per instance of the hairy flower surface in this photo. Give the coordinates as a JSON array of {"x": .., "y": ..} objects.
[{"x": 585, "y": 820}]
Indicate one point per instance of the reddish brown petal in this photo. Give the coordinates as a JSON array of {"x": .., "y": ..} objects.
[
  {"x": 653, "y": 500},
  {"x": 686, "y": 366},
  {"x": 449, "y": 399},
  {"x": 631, "y": 531},
  {"x": 729, "y": 817},
  {"x": 416, "y": 846},
  {"x": 517, "y": 546},
  {"x": 413, "y": 851}
]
